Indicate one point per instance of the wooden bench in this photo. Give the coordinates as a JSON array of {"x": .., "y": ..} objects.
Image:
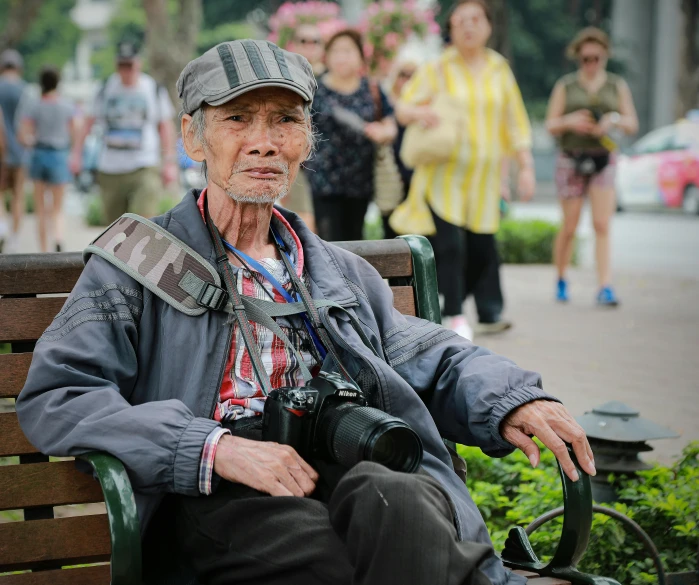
[{"x": 30, "y": 482}]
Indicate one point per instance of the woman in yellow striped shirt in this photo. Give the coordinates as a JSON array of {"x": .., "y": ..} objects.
[{"x": 464, "y": 193}]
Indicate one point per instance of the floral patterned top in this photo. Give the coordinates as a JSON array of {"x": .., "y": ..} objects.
[{"x": 343, "y": 163}]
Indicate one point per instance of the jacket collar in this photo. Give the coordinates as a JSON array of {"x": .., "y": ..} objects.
[{"x": 327, "y": 280}]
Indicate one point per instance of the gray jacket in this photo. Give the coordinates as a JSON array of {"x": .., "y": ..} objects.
[{"x": 121, "y": 371}]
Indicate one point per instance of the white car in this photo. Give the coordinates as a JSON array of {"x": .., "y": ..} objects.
[{"x": 661, "y": 169}]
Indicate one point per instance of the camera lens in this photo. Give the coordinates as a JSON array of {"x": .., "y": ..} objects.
[{"x": 360, "y": 433}]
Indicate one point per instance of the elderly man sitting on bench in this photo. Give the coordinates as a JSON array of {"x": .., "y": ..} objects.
[{"x": 171, "y": 372}]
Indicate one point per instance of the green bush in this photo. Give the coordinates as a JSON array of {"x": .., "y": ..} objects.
[
  {"x": 94, "y": 213},
  {"x": 526, "y": 241},
  {"x": 663, "y": 500}
]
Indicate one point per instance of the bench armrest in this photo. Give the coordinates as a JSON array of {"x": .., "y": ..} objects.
[
  {"x": 575, "y": 535},
  {"x": 124, "y": 526}
]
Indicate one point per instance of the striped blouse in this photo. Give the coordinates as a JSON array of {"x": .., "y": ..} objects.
[{"x": 465, "y": 191}]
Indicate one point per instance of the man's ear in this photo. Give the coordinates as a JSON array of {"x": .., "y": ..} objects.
[{"x": 192, "y": 145}]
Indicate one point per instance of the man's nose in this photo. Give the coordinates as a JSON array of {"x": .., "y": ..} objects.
[{"x": 261, "y": 141}]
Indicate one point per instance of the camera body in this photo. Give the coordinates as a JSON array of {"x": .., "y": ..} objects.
[{"x": 328, "y": 419}]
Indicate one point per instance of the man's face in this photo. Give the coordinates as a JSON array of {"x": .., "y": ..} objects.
[
  {"x": 129, "y": 71},
  {"x": 254, "y": 144},
  {"x": 308, "y": 42}
]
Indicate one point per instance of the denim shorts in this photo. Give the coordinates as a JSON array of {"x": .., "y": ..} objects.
[{"x": 49, "y": 166}]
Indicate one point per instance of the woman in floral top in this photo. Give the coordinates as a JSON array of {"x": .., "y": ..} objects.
[{"x": 346, "y": 118}]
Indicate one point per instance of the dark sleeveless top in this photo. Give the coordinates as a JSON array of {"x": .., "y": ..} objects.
[{"x": 577, "y": 98}]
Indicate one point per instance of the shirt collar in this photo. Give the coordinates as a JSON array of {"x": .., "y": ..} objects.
[{"x": 284, "y": 229}]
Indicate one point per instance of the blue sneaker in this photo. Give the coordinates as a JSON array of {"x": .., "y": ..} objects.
[
  {"x": 562, "y": 291},
  {"x": 606, "y": 297}
]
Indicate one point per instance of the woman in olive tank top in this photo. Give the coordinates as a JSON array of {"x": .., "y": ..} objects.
[{"x": 584, "y": 107}]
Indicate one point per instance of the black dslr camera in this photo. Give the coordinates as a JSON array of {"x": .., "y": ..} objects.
[{"x": 328, "y": 419}]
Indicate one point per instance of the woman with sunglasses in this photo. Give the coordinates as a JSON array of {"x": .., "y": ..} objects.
[{"x": 584, "y": 108}]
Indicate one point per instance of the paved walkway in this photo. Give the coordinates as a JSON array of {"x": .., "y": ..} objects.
[{"x": 645, "y": 353}]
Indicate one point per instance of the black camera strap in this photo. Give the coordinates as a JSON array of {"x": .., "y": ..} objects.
[
  {"x": 236, "y": 301},
  {"x": 311, "y": 308}
]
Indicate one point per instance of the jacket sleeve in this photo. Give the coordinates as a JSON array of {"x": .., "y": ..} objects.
[
  {"x": 468, "y": 389},
  {"x": 76, "y": 397}
]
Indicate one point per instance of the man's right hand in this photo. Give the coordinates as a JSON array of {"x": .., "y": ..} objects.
[{"x": 277, "y": 470}]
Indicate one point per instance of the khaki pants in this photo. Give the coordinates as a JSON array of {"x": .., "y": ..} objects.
[{"x": 135, "y": 192}]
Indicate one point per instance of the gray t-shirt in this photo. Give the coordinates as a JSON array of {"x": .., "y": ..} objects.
[
  {"x": 10, "y": 96},
  {"x": 51, "y": 117}
]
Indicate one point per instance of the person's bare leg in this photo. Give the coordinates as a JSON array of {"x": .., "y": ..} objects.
[
  {"x": 17, "y": 204},
  {"x": 41, "y": 213},
  {"x": 603, "y": 205},
  {"x": 57, "y": 214},
  {"x": 565, "y": 239}
]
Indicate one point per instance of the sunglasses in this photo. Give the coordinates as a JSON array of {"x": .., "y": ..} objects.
[
  {"x": 309, "y": 41},
  {"x": 405, "y": 74},
  {"x": 125, "y": 65},
  {"x": 587, "y": 59}
]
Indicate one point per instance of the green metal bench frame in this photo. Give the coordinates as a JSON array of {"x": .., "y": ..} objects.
[
  {"x": 126, "y": 560},
  {"x": 577, "y": 495}
]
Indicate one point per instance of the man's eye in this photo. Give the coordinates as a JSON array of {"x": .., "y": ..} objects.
[
  {"x": 235, "y": 118},
  {"x": 287, "y": 119}
]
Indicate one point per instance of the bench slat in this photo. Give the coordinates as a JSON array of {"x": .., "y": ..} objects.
[
  {"x": 14, "y": 368},
  {"x": 404, "y": 299},
  {"x": 76, "y": 540},
  {"x": 98, "y": 575},
  {"x": 12, "y": 439},
  {"x": 46, "y": 484},
  {"x": 26, "y": 319},
  {"x": 391, "y": 258},
  {"x": 39, "y": 273}
]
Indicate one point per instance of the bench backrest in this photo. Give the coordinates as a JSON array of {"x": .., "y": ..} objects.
[{"x": 31, "y": 485}]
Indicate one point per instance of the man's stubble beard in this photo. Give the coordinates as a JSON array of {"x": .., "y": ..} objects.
[{"x": 261, "y": 195}]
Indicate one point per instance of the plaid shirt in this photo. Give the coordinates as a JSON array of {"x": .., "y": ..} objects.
[{"x": 240, "y": 394}]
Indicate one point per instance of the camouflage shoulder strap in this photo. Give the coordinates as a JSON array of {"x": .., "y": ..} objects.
[{"x": 163, "y": 264}]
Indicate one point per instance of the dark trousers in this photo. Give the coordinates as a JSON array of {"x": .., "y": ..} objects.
[
  {"x": 340, "y": 218},
  {"x": 379, "y": 527},
  {"x": 467, "y": 264}
]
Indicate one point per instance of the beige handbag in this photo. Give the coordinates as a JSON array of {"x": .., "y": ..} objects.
[
  {"x": 413, "y": 216},
  {"x": 388, "y": 184},
  {"x": 424, "y": 146}
]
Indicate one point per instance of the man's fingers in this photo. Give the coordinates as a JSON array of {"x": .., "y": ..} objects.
[
  {"x": 303, "y": 480},
  {"x": 524, "y": 443},
  {"x": 569, "y": 430},
  {"x": 549, "y": 438}
]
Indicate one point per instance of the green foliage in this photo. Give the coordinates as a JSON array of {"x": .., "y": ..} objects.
[
  {"x": 94, "y": 213},
  {"x": 50, "y": 39},
  {"x": 527, "y": 241},
  {"x": 664, "y": 501}
]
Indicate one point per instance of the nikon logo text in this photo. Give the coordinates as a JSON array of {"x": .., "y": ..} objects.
[{"x": 347, "y": 393}]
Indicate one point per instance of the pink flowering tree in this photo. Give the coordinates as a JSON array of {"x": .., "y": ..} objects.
[
  {"x": 282, "y": 24},
  {"x": 386, "y": 25}
]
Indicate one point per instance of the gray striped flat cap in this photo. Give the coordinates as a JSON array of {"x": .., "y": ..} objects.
[{"x": 235, "y": 67}]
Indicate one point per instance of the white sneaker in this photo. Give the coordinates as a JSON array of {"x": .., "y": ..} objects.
[{"x": 459, "y": 325}]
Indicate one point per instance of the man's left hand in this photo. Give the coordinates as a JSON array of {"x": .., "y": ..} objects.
[{"x": 553, "y": 425}]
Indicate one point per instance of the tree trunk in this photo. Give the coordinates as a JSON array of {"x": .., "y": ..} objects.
[
  {"x": 171, "y": 39},
  {"x": 689, "y": 63},
  {"x": 20, "y": 15},
  {"x": 500, "y": 40}
]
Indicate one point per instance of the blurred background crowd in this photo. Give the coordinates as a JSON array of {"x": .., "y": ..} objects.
[{"x": 508, "y": 132}]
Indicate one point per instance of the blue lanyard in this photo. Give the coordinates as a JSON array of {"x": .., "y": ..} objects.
[{"x": 278, "y": 287}]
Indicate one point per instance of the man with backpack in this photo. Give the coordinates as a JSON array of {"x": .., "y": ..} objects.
[{"x": 138, "y": 153}]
